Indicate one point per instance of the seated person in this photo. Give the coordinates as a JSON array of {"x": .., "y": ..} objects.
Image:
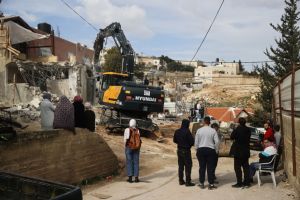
[
  {"x": 264, "y": 157},
  {"x": 269, "y": 134}
]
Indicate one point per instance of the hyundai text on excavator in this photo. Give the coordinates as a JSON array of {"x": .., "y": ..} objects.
[{"x": 121, "y": 98}]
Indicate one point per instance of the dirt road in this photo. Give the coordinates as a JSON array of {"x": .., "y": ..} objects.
[{"x": 159, "y": 180}]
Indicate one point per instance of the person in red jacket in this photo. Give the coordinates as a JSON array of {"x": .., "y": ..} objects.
[{"x": 269, "y": 134}]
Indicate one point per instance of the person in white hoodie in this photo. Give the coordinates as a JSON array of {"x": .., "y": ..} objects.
[
  {"x": 132, "y": 150},
  {"x": 264, "y": 157}
]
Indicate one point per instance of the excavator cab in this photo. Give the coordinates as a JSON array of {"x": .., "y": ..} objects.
[
  {"x": 112, "y": 78},
  {"x": 110, "y": 85}
]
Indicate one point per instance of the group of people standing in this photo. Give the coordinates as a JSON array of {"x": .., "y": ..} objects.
[
  {"x": 207, "y": 146},
  {"x": 207, "y": 140},
  {"x": 66, "y": 115}
]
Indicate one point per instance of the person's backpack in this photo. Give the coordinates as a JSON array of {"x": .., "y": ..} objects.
[{"x": 134, "y": 141}]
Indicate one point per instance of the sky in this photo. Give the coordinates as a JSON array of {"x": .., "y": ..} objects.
[{"x": 173, "y": 28}]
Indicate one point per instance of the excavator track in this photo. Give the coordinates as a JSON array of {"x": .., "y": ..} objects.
[{"x": 113, "y": 119}]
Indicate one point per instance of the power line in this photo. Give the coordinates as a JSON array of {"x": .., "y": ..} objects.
[
  {"x": 208, "y": 30},
  {"x": 246, "y": 62},
  {"x": 79, "y": 15}
]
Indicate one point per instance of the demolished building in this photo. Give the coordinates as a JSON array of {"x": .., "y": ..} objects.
[{"x": 35, "y": 60}]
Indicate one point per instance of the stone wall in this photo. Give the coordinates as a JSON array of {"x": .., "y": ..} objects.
[
  {"x": 238, "y": 80},
  {"x": 20, "y": 93},
  {"x": 76, "y": 84},
  {"x": 59, "y": 155},
  {"x": 221, "y": 79},
  {"x": 61, "y": 87}
]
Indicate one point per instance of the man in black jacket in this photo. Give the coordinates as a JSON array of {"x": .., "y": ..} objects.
[
  {"x": 241, "y": 153},
  {"x": 184, "y": 140}
]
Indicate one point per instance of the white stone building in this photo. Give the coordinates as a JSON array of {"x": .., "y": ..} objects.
[
  {"x": 220, "y": 69},
  {"x": 149, "y": 61},
  {"x": 191, "y": 63}
]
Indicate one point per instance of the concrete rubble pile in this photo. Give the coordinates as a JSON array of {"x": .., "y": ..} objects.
[{"x": 28, "y": 112}]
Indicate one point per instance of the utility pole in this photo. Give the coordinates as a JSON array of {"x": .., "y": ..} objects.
[{"x": 1, "y": 13}]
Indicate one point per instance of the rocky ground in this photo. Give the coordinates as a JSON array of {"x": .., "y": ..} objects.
[{"x": 226, "y": 95}]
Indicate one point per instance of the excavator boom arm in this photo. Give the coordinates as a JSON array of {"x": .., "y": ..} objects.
[{"x": 115, "y": 31}]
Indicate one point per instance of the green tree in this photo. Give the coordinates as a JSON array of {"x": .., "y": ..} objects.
[
  {"x": 259, "y": 118},
  {"x": 177, "y": 66},
  {"x": 267, "y": 81},
  {"x": 113, "y": 60},
  {"x": 113, "y": 63},
  {"x": 241, "y": 67},
  {"x": 288, "y": 45},
  {"x": 284, "y": 56},
  {"x": 173, "y": 65},
  {"x": 139, "y": 70},
  {"x": 164, "y": 59}
]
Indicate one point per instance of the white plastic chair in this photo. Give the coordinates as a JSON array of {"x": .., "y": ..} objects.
[{"x": 268, "y": 167}]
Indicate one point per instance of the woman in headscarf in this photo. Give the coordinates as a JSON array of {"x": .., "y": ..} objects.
[
  {"x": 64, "y": 114},
  {"x": 47, "y": 112},
  {"x": 89, "y": 117},
  {"x": 79, "y": 111}
]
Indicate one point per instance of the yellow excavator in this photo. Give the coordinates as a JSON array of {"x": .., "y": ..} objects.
[{"x": 121, "y": 98}]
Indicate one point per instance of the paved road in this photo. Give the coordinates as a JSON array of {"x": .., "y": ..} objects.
[{"x": 164, "y": 185}]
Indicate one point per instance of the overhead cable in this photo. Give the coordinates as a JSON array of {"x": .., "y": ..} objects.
[
  {"x": 79, "y": 15},
  {"x": 208, "y": 31},
  {"x": 250, "y": 62}
]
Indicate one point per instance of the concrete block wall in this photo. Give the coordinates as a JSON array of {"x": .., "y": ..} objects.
[
  {"x": 238, "y": 80},
  {"x": 59, "y": 155}
]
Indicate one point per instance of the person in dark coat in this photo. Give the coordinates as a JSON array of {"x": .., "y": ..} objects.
[
  {"x": 241, "y": 153},
  {"x": 79, "y": 111},
  {"x": 184, "y": 140},
  {"x": 89, "y": 117},
  {"x": 146, "y": 81}
]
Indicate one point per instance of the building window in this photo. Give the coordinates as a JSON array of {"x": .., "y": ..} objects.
[{"x": 45, "y": 51}]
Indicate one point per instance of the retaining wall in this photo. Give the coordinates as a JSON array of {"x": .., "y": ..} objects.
[{"x": 59, "y": 155}]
